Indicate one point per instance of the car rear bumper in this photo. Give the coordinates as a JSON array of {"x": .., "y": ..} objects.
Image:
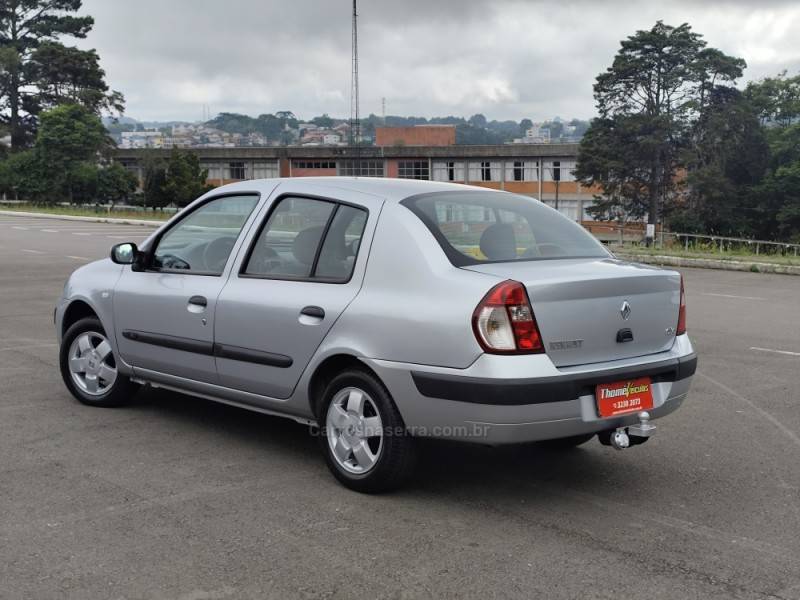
[{"x": 514, "y": 399}]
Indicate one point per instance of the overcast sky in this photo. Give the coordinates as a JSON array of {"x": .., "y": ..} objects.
[{"x": 505, "y": 59}]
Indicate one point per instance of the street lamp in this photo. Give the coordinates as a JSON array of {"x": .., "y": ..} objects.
[{"x": 555, "y": 173}]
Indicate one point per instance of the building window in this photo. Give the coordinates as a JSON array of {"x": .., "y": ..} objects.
[
  {"x": 361, "y": 168},
  {"x": 522, "y": 170},
  {"x": 313, "y": 164},
  {"x": 448, "y": 171},
  {"x": 237, "y": 170},
  {"x": 265, "y": 169},
  {"x": 214, "y": 170},
  {"x": 413, "y": 169},
  {"x": 484, "y": 171},
  {"x": 560, "y": 170}
]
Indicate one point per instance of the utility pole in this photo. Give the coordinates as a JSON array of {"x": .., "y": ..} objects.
[{"x": 355, "y": 122}]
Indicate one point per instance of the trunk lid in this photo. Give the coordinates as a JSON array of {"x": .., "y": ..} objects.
[{"x": 578, "y": 304}]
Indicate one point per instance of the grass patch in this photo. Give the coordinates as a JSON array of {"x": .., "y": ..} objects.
[
  {"x": 728, "y": 255},
  {"x": 99, "y": 212}
]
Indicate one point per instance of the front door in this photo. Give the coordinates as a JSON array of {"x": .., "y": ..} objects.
[
  {"x": 303, "y": 268},
  {"x": 164, "y": 310}
]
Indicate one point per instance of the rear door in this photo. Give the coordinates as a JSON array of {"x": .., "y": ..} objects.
[{"x": 303, "y": 266}]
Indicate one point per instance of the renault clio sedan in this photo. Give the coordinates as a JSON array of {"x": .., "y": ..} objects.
[{"x": 380, "y": 311}]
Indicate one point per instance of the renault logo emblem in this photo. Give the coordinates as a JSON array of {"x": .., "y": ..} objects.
[{"x": 625, "y": 311}]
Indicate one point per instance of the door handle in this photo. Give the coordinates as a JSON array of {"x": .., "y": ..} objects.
[
  {"x": 198, "y": 301},
  {"x": 313, "y": 311}
]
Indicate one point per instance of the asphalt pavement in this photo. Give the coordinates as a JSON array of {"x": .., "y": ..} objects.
[{"x": 178, "y": 497}]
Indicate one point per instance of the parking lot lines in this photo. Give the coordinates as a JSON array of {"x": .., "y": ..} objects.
[{"x": 773, "y": 351}]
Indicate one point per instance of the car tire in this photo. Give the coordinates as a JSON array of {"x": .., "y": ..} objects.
[
  {"x": 89, "y": 367},
  {"x": 567, "y": 442},
  {"x": 362, "y": 435}
]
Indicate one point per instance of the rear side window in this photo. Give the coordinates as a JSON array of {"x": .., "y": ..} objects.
[
  {"x": 308, "y": 239},
  {"x": 478, "y": 227}
]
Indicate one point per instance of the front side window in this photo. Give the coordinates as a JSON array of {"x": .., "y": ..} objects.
[
  {"x": 474, "y": 228},
  {"x": 202, "y": 242},
  {"x": 306, "y": 238}
]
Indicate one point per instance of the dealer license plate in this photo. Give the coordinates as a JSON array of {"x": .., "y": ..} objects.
[{"x": 624, "y": 397}]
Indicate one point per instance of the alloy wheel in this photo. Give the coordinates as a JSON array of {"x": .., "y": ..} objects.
[
  {"x": 91, "y": 363},
  {"x": 354, "y": 430}
]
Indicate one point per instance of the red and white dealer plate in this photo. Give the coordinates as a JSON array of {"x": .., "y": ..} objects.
[{"x": 624, "y": 397}]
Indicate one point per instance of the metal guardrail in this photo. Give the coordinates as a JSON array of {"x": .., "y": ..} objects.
[{"x": 621, "y": 235}]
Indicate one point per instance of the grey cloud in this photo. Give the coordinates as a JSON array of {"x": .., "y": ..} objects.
[{"x": 505, "y": 58}]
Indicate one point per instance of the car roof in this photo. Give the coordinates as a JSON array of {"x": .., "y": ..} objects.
[{"x": 393, "y": 190}]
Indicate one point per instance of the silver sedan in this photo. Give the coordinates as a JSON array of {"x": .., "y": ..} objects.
[{"x": 380, "y": 311}]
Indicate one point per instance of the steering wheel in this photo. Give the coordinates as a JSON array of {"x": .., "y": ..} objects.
[
  {"x": 172, "y": 261},
  {"x": 216, "y": 253}
]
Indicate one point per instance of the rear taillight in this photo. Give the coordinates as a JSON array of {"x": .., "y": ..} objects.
[
  {"x": 681, "y": 329},
  {"x": 504, "y": 323}
]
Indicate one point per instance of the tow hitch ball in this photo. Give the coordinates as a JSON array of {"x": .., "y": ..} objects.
[{"x": 625, "y": 437}]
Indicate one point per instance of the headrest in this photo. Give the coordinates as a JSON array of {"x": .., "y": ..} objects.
[
  {"x": 498, "y": 242},
  {"x": 304, "y": 246}
]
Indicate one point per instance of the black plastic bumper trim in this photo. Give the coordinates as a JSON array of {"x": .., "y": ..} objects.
[
  {"x": 252, "y": 356},
  {"x": 517, "y": 392},
  {"x": 207, "y": 348},
  {"x": 169, "y": 341}
]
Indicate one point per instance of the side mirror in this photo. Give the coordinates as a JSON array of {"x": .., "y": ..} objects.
[{"x": 125, "y": 253}]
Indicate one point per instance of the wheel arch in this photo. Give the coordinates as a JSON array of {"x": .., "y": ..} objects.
[
  {"x": 329, "y": 368},
  {"x": 76, "y": 310}
]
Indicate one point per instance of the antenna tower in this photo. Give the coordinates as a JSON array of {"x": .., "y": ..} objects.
[{"x": 355, "y": 122}]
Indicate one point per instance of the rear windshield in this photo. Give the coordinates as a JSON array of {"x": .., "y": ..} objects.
[{"x": 479, "y": 227}]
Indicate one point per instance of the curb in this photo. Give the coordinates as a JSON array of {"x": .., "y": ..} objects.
[
  {"x": 142, "y": 222},
  {"x": 710, "y": 263}
]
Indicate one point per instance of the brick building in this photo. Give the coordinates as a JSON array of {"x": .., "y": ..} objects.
[
  {"x": 530, "y": 169},
  {"x": 419, "y": 135}
]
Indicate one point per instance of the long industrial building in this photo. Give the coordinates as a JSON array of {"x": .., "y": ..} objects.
[{"x": 536, "y": 170}]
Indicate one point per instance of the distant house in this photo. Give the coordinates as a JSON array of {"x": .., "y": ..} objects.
[{"x": 142, "y": 139}]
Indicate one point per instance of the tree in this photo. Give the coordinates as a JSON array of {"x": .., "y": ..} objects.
[
  {"x": 610, "y": 154},
  {"x": 154, "y": 169},
  {"x": 652, "y": 93},
  {"x": 37, "y": 71},
  {"x": 776, "y": 99},
  {"x": 115, "y": 183},
  {"x": 24, "y": 176},
  {"x": 323, "y": 121},
  {"x": 69, "y": 136},
  {"x": 729, "y": 156},
  {"x": 524, "y": 125},
  {"x": 477, "y": 120},
  {"x": 185, "y": 180}
]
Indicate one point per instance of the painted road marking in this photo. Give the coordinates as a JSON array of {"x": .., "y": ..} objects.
[
  {"x": 732, "y": 296},
  {"x": 32, "y": 251},
  {"x": 769, "y": 417},
  {"x": 125, "y": 237},
  {"x": 20, "y": 228},
  {"x": 786, "y": 352},
  {"x": 49, "y": 230},
  {"x": 27, "y": 347},
  {"x": 78, "y": 257}
]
